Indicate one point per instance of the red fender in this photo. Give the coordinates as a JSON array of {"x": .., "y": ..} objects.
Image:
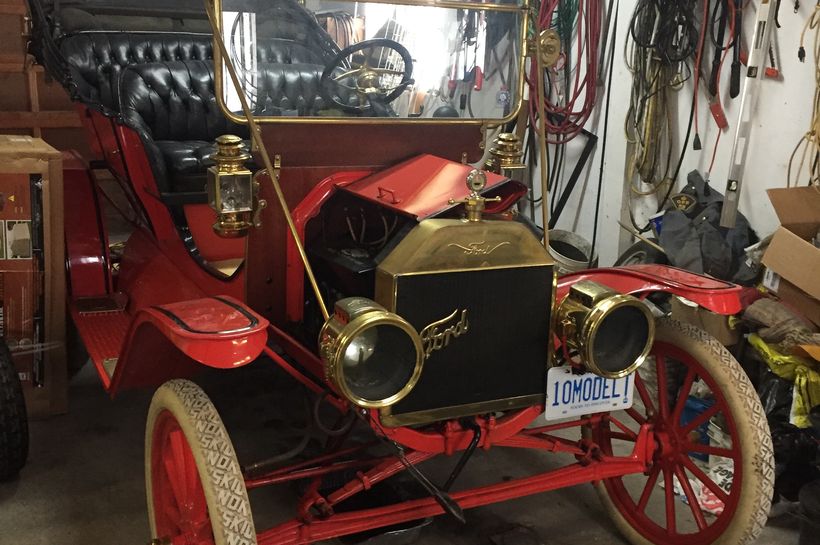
[
  {"x": 170, "y": 341},
  {"x": 713, "y": 294}
]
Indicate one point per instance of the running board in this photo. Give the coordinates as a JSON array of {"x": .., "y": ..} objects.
[{"x": 103, "y": 329}]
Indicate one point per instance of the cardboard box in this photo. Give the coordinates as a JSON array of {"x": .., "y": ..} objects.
[
  {"x": 32, "y": 270},
  {"x": 793, "y": 297},
  {"x": 791, "y": 253},
  {"x": 716, "y": 325}
]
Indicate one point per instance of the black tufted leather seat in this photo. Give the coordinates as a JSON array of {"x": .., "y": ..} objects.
[
  {"x": 295, "y": 90},
  {"x": 173, "y": 108},
  {"x": 95, "y": 59}
]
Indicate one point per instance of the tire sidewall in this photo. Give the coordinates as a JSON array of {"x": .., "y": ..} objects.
[
  {"x": 753, "y": 433},
  {"x": 221, "y": 476},
  {"x": 13, "y": 418}
]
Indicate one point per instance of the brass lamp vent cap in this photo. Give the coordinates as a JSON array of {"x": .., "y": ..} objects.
[
  {"x": 506, "y": 152},
  {"x": 229, "y": 151}
]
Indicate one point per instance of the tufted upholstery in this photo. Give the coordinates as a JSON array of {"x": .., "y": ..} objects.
[
  {"x": 96, "y": 59},
  {"x": 295, "y": 89},
  {"x": 173, "y": 107}
]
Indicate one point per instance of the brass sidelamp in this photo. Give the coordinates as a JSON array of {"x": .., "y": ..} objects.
[{"x": 230, "y": 188}]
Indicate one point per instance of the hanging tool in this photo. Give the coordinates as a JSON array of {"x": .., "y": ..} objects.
[
  {"x": 734, "y": 82},
  {"x": 764, "y": 25},
  {"x": 718, "y": 42}
]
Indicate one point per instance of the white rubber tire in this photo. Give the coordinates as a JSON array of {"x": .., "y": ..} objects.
[
  {"x": 219, "y": 471},
  {"x": 753, "y": 433}
]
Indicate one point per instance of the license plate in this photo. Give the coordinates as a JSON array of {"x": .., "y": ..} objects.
[{"x": 570, "y": 394}]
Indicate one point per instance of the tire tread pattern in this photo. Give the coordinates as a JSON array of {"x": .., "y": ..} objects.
[
  {"x": 224, "y": 485},
  {"x": 752, "y": 512},
  {"x": 13, "y": 419},
  {"x": 763, "y": 455}
]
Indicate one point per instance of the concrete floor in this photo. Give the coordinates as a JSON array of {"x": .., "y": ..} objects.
[{"x": 83, "y": 484}]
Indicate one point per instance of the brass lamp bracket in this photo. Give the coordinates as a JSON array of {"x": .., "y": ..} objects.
[
  {"x": 474, "y": 204},
  {"x": 261, "y": 204}
]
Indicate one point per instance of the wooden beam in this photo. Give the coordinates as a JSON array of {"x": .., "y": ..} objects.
[
  {"x": 44, "y": 120},
  {"x": 12, "y": 9},
  {"x": 34, "y": 98}
]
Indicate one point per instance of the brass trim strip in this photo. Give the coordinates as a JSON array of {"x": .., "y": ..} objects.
[
  {"x": 553, "y": 313},
  {"x": 457, "y": 411},
  {"x": 524, "y": 10},
  {"x": 474, "y": 269},
  {"x": 273, "y": 173},
  {"x": 542, "y": 142},
  {"x": 455, "y": 4}
]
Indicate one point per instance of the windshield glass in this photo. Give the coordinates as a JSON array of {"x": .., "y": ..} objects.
[{"x": 368, "y": 60}]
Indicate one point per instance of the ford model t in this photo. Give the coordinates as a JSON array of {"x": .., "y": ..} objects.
[{"x": 305, "y": 194}]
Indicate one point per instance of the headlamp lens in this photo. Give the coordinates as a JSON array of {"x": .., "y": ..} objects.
[
  {"x": 379, "y": 362},
  {"x": 372, "y": 357}
]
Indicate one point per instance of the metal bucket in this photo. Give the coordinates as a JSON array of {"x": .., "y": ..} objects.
[{"x": 570, "y": 251}]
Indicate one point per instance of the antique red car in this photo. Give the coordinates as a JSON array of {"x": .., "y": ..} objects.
[{"x": 317, "y": 206}]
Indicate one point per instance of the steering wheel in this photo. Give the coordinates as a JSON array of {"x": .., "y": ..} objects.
[{"x": 377, "y": 70}]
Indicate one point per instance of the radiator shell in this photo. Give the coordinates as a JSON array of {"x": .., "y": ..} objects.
[{"x": 481, "y": 295}]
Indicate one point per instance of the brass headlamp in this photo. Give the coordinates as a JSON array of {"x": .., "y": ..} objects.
[
  {"x": 230, "y": 188},
  {"x": 372, "y": 357},
  {"x": 612, "y": 332}
]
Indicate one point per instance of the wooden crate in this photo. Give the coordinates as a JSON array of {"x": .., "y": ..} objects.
[
  {"x": 30, "y": 103},
  {"x": 32, "y": 270}
]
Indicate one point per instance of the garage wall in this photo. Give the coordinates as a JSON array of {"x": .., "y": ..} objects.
[{"x": 783, "y": 114}]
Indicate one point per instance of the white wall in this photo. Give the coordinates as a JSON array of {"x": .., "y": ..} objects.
[{"x": 782, "y": 116}]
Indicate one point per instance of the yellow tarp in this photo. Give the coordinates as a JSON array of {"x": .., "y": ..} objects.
[{"x": 803, "y": 372}]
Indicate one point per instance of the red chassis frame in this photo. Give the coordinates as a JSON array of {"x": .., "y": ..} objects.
[
  {"x": 315, "y": 516},
  {"x": 174, "y": 314}
]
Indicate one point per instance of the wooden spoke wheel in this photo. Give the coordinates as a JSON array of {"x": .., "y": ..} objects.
[
  {"x": 13, "y": 419},
  {"x": 731, "y": 478},
  {"x": 196, "y": 492}
]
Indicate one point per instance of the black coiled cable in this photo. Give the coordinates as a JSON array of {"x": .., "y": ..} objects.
[{"x": 667, "y": 27}]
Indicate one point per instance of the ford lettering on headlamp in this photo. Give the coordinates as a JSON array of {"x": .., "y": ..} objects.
[
  {"x": 373, "y": 357},
  {"x": 611, "y": 331}
]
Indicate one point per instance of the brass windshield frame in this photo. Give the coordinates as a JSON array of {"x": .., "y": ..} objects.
[{"x": 522, "y": 9}]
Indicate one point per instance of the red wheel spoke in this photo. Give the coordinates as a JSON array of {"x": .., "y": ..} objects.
[
  {"x": 669, "y": 492},
  {"x": 648, "y": 488},
  {"x": 171, "y": 511},
  {"x": 710, "y": 450},
  {"x": 185, "y": 489},
  {"x": 694, "y": 505},
  {"x": 700, "y": 419},
  {"x": 678, "y": 375},
  {"x": 636, "y": 416},
  {"x": 632, "y": 436},
  {"x": 644, "y": 394},
  {"x": 177, "y": 486},
  {"x": 663, "y": 393},
  {"x": 683, "y": 393},
  {"x": 702, "y": 477}
]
